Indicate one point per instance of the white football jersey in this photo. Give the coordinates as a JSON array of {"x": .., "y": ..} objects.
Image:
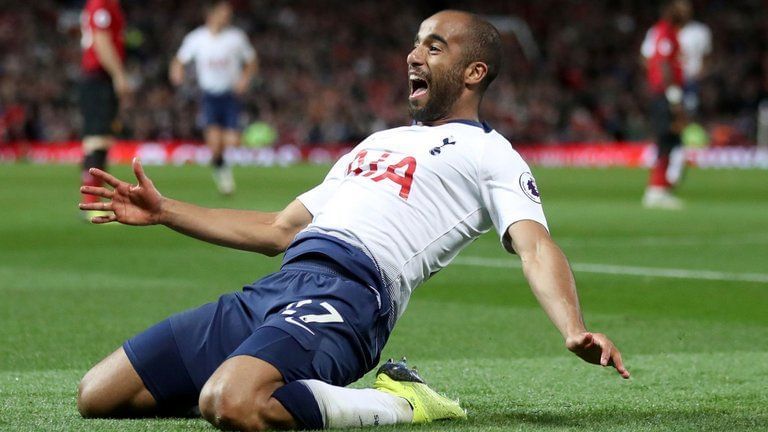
[
  {"x": 219, "y": 58},
  {"x": 696, "y": 43},
  {"x": 413, "y": 197}
]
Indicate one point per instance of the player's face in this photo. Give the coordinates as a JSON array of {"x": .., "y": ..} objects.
[
  {"x": 681, "y": 11},
  {"x": 436, "y": 67},
  {"x": 221, "y": 14}
]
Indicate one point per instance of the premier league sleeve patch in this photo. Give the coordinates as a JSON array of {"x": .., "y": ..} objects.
[{"x": 528, "y": 185}]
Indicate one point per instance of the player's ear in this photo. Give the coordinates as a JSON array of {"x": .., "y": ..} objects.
[{"x": 474, "y": 73}]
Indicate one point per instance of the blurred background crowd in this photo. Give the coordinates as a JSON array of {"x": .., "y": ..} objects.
[{"x": 334, "y": 71}]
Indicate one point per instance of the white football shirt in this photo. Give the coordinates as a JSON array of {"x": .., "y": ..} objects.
[
  {"x": 696, "y": 43},
  {"x": 413, "y": 197},
  {"x": 219, "y": 57}
]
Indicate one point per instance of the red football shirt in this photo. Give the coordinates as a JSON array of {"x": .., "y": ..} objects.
[
  {"x": 101, "y": 15},
  {"x": 666, "y": 50}
]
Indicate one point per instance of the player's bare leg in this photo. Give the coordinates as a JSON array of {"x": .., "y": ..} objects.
[
  {"x": 659, "y": 194},
  {"x": 215, "y": 140},
  {"x": 238, "y": 396},
  {"x": 113, "y": 389},
  {"x": 231, "y": 138},
  {"x": 246, "y": 393},
  {"x": 95, "y": 148},
  {"x": 226, "y": 180}
]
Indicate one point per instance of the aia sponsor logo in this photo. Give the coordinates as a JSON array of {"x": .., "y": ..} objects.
[{"x": 378, "y": 168}]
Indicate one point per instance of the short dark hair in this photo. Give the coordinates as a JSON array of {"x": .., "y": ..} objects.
[
  {"x": 210, "y": 5},
  {"x": 484, "y": 45}
]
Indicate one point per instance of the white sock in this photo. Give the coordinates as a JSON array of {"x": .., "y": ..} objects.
[
  {"x": 676, "y": 165},
  {"x": 345, "y": 407}
]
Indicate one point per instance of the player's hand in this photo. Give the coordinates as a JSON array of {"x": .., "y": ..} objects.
[
  {"x": 176, "y": 75},
  {"x": 596, "y": 348},
  {"x": 120, "y": 84},
  {"x": 242, "y": 85},
  {"x": 139, "y": 204}
]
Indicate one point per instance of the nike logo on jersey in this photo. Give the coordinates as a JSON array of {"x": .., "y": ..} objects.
[{"x": 446, "y": 141}]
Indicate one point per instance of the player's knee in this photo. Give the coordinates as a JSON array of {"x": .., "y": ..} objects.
[
  {"x": 230, "y": 410},
  {"x": 89, "y": 402},
  {"x": 207, "y": 402},
  {"x": 227, "y": 410}
]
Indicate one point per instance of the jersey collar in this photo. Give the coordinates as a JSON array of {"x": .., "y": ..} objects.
[{"x": 482, "y": 125}]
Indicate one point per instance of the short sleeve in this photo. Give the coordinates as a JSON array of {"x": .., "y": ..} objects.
[
  {"x": 508, "y": 188},
  {"x": 246, "y": 50},
  {"x": 646, "y": 49},
  {"x": 188, "y": 47},
  {"x": 315, "y": 198}
]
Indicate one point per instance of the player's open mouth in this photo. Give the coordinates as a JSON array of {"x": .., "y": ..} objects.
[{"x": 419, "y": 86}]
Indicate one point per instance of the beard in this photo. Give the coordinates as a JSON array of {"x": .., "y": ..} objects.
[{"x": 444, "y": 91}]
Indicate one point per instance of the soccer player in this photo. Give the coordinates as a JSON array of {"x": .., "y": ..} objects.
[
  {"x": 103, "y": 85},
  {"x": 696, "y": 45},
  {"x": 695, "y": 40},
  {"x": 391, "y": 213},
  {"x": 225, "y": 63},
  {"x": 665, "y": 81}
]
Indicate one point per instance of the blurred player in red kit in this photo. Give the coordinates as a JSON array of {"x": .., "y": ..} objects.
[
  {"x": 665, "y": 82},
  {"x": 103, "y": 83}
]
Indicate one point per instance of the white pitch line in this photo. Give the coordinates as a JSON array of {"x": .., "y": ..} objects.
[
  {"x": 626, "y": 270},
  {"x": 661, "y": 242}
]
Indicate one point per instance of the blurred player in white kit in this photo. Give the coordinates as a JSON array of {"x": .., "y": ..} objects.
[{"x": 225, "y": 64}]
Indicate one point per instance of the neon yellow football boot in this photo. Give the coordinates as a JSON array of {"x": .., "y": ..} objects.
[{"x": 397, "y": 379}]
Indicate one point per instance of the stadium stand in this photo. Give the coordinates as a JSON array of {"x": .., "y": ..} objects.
[{"x": 330, "y": 77}]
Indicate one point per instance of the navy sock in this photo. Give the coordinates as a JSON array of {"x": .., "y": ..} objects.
[{"x": 301, "y": 403}]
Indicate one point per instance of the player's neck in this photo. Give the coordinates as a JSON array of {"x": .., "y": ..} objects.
[
  {"x": 468, "y": 113},
  {"x": 215, "y": 29}
]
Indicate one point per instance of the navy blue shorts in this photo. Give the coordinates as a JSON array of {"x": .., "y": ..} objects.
[
  {"x": 221, "y": 110},
  {"x": 311, "y": 320}
]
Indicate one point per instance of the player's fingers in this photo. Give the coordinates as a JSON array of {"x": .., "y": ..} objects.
[
  {"x": 103, "y": 219},
  {"x": 105, "y": 206},
  {"x": 618, "y": 363},
  {"x": 138, "y": 170},
  {"x": 107, "y": 177},
  {"x": 98, "y": 191},
  {"x": 606, "y": 352}
]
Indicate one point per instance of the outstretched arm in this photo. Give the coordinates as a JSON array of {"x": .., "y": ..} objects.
[
  {"x": 142, "y": 204},
  {"x": 549, "y": 275}
]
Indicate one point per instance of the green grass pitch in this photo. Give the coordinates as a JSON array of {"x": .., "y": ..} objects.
[{"x": 694, "y": 337}]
